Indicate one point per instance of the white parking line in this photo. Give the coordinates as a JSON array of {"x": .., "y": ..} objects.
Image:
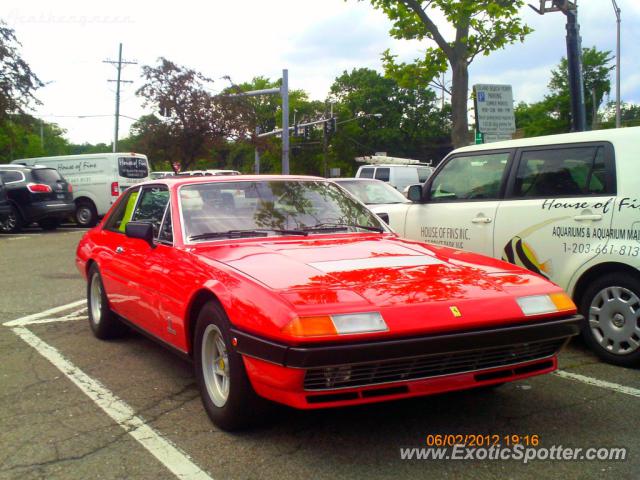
[
  {"x": 634, "y": 392},
  {"x": 162, "y": 449}
]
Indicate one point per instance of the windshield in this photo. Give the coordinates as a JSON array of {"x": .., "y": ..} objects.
[
  {"x": 373, "y": 192},
  {"x": 270, "y": 207}
]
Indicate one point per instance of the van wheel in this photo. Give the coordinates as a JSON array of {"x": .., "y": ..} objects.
[
  {"x": 611, "y": 307},
  {"x": 13, "y": 222},
  {"x": 86, "y": 214},
  {"x": 49, "y": 223}
]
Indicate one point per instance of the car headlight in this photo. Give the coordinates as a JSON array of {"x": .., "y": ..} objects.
[
  {"x": 341, "y": 324},
  {"x": 541, "y": 304}
]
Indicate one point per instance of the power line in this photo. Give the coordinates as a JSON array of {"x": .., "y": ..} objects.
[{"x": 118, "y": 81}]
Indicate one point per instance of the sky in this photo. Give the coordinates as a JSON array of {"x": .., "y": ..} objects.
[{"x": 316, "y": 40}]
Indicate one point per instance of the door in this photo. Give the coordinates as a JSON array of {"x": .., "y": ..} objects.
[
  {"x": 558, "y": 209},
  {"x": 129, "y": 284},
  {"x": 461, "y": 202}
]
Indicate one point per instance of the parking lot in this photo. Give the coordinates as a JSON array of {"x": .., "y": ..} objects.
[{"x": 75, "y": 407}]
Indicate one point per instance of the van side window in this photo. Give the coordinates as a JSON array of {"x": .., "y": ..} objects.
[
  {"x": 470, "y": 177},
  {"x": 559, "y": 172},
  {"x": 366, "y": 173},
  {"x": 382, "y": 174}
]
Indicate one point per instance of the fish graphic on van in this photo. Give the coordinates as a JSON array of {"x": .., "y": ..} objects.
[{"x": 519, "y": 252}]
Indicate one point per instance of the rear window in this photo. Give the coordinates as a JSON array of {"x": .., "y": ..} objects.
[
  {"x": 133, "y": 167},
  {"x": 46, "y": 175},
  {"x": 366, "y": 173}
]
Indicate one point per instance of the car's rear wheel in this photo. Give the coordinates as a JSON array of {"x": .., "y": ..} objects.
[
  {"x": 49, "y": 223},
  {"x": 103, "y": 322},
  {"x": 13, "y": 222},
  {"x": 611, "y": 307},
  {"x": 86, "y": 214},
  {"x": 227, "y": 394}
]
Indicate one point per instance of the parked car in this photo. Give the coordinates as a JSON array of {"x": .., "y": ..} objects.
[
  {"x": 381, "y": 198},
  {"x": 221, "y": 172},
  {"x": 563, "y": 206},
  {"x": 5, "y": 206},
  {"x": 36, "y": 194},
  {"x": 98, "y": 179},
  {"x": 398, "y": 176},
  {"x": 160, "y": 174},
  {"x": 286, "y": 289}
]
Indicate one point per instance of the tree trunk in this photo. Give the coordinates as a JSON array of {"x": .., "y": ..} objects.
[{"x": 459, "y": 94}]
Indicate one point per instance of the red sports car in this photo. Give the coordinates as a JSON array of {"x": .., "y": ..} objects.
[{"x": 286, "y": 289}]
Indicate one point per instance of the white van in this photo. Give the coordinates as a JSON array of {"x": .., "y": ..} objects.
[
  {"x": 564, "y": 206},
  {"x": 97, "y": 179},
  {"x": 400, "y": 173}
]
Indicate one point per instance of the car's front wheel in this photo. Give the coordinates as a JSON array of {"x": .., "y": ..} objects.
[
  {"x": 13, "y": 222},
  {"x": 103, "y": 322},
  {"x": 227, "y": 394},
  {"x": 611, "y": 307}
]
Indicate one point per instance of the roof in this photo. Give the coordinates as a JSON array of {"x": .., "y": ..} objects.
[
  {"x": 576, "y": 137},
  {"x": 192, "y": 180}
]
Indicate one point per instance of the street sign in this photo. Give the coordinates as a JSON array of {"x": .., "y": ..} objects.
[{"x": 494, "y": 109}]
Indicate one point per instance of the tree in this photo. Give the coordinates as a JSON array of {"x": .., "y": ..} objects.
[
  {"x": 596, "y": 68},
  {"x": 196, "y": 119},
  {"x": 481, "y": 26},
  {"x": 629, "y": 115},
  {"x": 17, "y": 82}
]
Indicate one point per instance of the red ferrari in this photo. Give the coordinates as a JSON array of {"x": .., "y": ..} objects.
[{"x": 286, "y": 289}]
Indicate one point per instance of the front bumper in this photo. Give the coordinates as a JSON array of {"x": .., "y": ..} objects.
[{"x": 314, "y": 376}]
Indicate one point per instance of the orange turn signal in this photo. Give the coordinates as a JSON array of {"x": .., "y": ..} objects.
[
  {"x": 562, "y": 301},
  {"x": 310, "y": 327}
]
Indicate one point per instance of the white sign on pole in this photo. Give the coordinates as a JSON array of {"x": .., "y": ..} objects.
[{"x": 494, "y": 109}]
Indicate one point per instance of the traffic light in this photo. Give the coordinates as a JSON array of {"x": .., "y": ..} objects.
[
  {"x": 307, "y": 132},
  {"x": 330, "y": 126}
]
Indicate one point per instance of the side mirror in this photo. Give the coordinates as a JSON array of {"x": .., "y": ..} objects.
[
  {"x": 415, "y": 193},
  {"x": 141, "y": 230}
]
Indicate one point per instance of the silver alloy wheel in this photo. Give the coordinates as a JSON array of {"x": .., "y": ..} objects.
[
  {"x": 96, "y": 299},
  {"x": 83, "y": 215},
  {"x": 215, "y": 365},
  {"x": 614, "y": 319}
]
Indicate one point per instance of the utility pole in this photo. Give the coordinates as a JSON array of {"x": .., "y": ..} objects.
[
  {"x": 118, "y": 81},
  {"x": 618, "y": 20},
  {"x": 284, "y": 92},
  {"x": 574, "y": 57}
]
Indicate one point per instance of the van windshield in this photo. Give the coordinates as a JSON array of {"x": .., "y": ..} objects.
[{"x": 133, "y": 167}]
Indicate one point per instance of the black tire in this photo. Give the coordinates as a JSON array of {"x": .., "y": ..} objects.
[
  {"x": 13, "y": 222},
  {"x": 49, "y": 223},
  {"x": 86, "y": 214},
  {"x": 242, "y": 407},
  {"x": 612, "y": 328},
  {"x": 103, "y": 322}
]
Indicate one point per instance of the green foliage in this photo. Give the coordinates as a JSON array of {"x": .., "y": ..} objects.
[
  {"x": 23, "y": 136},
  {"x": 481, "y": 26},
  {"x": 553, "y": 113}
]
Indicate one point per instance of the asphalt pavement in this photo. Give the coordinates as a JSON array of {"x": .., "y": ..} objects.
[{"x": 73, "y": 407}]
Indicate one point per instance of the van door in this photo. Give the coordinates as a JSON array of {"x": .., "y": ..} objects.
[
  {"x": 462, "y": 198},
  {"x": 558, "y": 209}
]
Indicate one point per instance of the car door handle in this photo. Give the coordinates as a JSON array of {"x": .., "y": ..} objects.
[
  {"x": 581, "y": 218},
  {"x": 119, "y": 249},
  {"x": 481, "y": 220}
]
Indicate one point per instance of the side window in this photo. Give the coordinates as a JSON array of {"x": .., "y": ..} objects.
[
  {"x": 122, "y": 214},
  {"x": 366, "y": 173},
  {"x": 8, "y": 176},
  {"x": 473, "y": 177},
  {"x": 382, "y": 174},
  {"x": 560, "y": 172},
  {"x": 151, "y": 206},
  {"x": 423, "y": 174},
  {"x": 166, "y": 229}
]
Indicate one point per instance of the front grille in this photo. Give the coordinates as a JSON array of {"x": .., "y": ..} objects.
[{"x": 426, "y": 366}]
